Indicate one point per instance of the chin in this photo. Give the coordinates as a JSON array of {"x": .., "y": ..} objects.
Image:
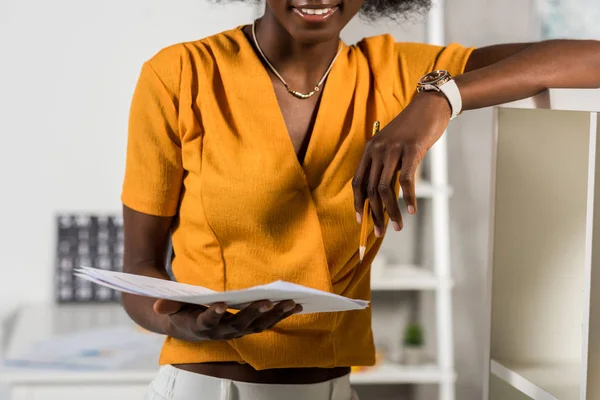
[
  {"x": 310, "y": 36},
  {"x": 313, "y": 21}
]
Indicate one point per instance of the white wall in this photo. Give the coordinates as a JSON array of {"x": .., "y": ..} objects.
[{"x": 68, "y": 69}]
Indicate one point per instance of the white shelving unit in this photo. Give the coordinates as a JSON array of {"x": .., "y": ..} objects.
[
  {"x": 545, "y": 249},
  {"x": 426, "y": 190},
  {"x": 541, "y": 381},
  {"x": 388, "y": 374},
  {"x": 417, "y": 278},
  {"x": 441, "y": 232},
  {"x": 408, "y": 277}
]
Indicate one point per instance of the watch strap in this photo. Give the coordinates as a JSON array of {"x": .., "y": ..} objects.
[{"x": 452, "y": 93}]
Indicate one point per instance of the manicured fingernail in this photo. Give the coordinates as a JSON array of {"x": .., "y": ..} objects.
[
  {"x": 265, "y": 308},
  {"x": 377, "y": 232},
  {"x": 396, "y": 226},
  {"x": 220, "y": 309},
  {"x": 289, "y": 308},
  {"x": 359, "y": 218},
  {"x": 411, "y": 210}
]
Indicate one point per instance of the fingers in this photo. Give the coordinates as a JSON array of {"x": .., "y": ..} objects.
[
  {"x": 359, "y": 183},
  {"x": 242, "y": 320},
  {"x": 376, "y": 179},
  {"x": 196, "y": 323},
  {"x": 211, "y": 317},
  {"x": 297, "y": 309},
  {"x": 377, "y": 155},
  {"x": 410, "y": 162},
  {"x": 167, "y": 307},
  {"x": 387, "y": 187},
  {"x": 279, "y": 312}
]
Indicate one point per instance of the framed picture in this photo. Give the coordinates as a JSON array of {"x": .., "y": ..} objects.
[{"x": 85, "y": 239}]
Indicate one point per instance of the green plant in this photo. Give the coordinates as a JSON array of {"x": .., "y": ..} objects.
[{"x": 413, "y": 336}]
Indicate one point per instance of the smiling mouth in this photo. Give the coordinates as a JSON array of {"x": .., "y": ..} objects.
[{"x": 315, "y": 14}]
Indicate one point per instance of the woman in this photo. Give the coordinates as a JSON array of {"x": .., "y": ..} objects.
[{"x": 253, "y": 149}]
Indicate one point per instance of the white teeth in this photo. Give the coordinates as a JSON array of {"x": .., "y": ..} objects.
[{"x": 315, "y": 11}]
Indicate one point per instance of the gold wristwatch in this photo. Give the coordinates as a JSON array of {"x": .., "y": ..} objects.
[{"x": 442, "y": 81}]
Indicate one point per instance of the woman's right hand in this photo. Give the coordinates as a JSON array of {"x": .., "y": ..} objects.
[{"x": 194, "y": 323}]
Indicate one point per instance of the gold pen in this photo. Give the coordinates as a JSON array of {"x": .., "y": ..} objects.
[{"x": 364, "y": 235}]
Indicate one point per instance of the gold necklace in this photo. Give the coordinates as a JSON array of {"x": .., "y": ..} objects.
[{"x": 289, "y": 89}]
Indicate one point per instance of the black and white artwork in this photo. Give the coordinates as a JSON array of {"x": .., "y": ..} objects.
[{"x": 87, "y": 240}]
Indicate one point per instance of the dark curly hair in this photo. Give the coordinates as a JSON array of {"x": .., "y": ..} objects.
[
  {"x": 383, "y": 9},
  {"x": 393, "y": 9}
]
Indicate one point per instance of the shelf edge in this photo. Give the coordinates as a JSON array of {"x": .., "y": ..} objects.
[{"x": 519, "y": 382}]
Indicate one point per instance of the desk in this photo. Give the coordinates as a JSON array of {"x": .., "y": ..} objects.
[{"x": 44, "y": 321}]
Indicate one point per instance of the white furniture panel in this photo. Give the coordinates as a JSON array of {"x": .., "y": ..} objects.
[
  {"x": 591, "y": 322},
  {"x": 501, "y": 390},
  {"x": 545, "y": 248}
]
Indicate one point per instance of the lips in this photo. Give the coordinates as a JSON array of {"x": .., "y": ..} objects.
[{"x": 316, "y": 12}]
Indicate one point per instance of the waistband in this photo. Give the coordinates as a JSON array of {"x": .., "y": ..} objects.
[{"x": 174, "y": 384}]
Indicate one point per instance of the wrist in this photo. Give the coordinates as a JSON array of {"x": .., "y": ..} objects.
[
  {"x": 440, "y": 81},
  {"x": 141, "y": 310},
  {"x": 437, "y": 100}
]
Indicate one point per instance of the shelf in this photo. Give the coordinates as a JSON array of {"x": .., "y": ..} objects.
[
  {"x": 401, "y": 374},
  {"x": 406, "y": 277},
  {"x": 543, "y": 275},
  {"x": 561, "y": 99},
  {"x": 541, "y": 381},
  {"x": 426, "y": 190}
]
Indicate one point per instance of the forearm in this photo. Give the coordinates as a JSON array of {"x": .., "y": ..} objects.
[
  {"x": 146, "y": 239},
  {"x": 540, "y": 66},
  {"x": 140, "y": 308}
]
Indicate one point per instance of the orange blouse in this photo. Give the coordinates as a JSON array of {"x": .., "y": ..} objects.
[{"x": 208, "y": 144}]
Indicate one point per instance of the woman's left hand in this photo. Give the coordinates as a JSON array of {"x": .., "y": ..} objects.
[{"x": 398, "y": 149}]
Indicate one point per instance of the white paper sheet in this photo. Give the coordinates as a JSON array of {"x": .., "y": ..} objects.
[
  {"x": 106, "y": 348},
  {"x": 312, "y": 300}
]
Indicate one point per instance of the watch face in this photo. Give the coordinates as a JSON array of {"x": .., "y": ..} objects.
[{"x": 433, "y": 77}]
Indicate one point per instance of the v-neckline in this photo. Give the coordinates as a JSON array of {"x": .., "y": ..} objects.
[{"x": 272, "y": 102}]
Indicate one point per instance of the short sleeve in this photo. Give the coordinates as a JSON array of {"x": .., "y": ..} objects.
[
  {"x": 416, "y": 60},
  {"x": 153, "y": 168}
]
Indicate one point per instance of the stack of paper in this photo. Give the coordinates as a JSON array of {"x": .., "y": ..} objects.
[{"x": 312, "y": 300}]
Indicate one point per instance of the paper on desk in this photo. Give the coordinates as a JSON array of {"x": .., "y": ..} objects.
[
  {"x": 106, "y": 348},
  {"x": 312, "y": 300}
]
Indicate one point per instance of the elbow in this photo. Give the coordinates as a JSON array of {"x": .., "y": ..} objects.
[
  {"x": 596, "y": 66},
  {"x": 592, "y": 73},
  {"x": 578, "y": 68}
]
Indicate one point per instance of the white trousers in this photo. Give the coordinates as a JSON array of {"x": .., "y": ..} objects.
[{"x": 175, "y": 384}]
